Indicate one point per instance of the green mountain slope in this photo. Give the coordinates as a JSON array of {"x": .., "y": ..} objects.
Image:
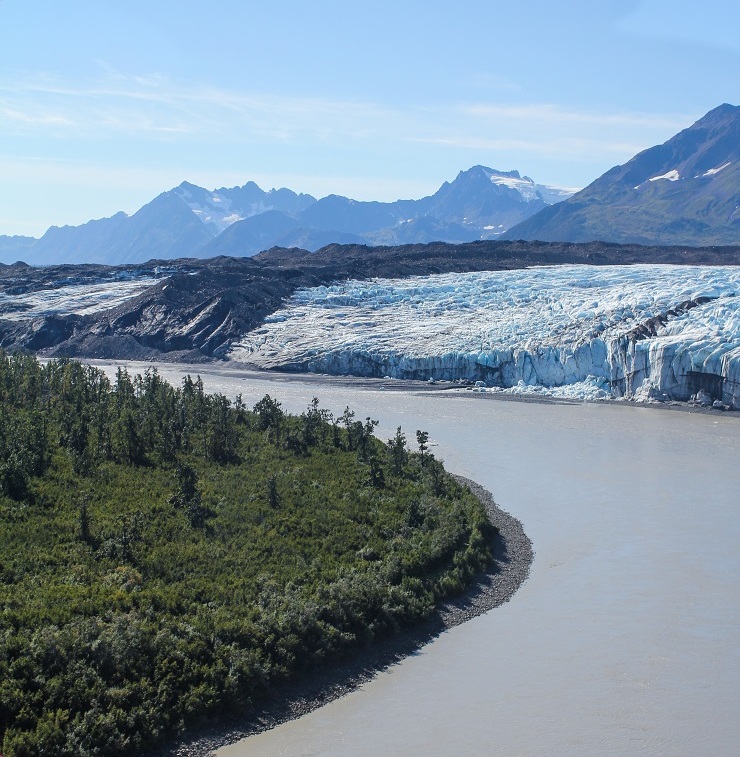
[{"x": 683, "y": 192}]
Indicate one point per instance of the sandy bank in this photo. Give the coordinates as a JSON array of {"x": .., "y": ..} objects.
[{"x": 512, "y": 557}]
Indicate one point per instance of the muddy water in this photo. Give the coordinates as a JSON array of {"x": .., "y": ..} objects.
[{"x": 625, "y": 639}]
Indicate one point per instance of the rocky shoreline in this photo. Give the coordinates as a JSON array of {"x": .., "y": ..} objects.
[{"x": 512, "y": 557}]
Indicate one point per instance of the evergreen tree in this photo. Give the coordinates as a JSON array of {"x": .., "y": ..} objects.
[
  {"x": 422, "y": 438},
  {"x": 397, "y": 452}
]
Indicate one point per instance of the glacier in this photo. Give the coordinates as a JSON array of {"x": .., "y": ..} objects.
[
  {"x": 77, "y": 297},
  {"x": 642, "y": 332}
]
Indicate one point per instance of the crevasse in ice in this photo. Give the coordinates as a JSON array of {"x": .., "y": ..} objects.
[{"x": 643, "y": 331}]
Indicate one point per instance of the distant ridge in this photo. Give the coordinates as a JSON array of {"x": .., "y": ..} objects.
[
  {"x": 683, "y": 192},
  {"x": 189, "y": 221}
]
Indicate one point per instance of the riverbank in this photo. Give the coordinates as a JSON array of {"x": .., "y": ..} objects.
[
  {"x": 245, "y": 372},
  {"x": 512, "y": 557}
]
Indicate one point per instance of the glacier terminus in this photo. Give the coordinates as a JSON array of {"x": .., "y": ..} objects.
[{"x": 643, "y": 332}]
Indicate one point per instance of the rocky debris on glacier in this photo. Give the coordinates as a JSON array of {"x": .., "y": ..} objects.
[
  {"x": 704, "y": 399},
  {"x": 648, "y": 333}
]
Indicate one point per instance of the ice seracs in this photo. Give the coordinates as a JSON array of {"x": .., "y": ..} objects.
[{"x": 643, "y": 332}]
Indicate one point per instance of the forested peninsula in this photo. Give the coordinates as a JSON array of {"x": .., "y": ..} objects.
[{"x": 167, "y": 555}]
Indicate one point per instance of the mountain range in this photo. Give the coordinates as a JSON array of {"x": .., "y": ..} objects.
[
  {"x": 683, "y": 192},
  {"x": 189, "y": 221}
]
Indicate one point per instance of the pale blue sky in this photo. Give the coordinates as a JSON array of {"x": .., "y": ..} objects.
[{"x": 106, "y": 103}]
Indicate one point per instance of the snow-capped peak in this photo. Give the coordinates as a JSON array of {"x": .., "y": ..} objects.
[
  {"x": 527, "y": 188},
  {"x": 211, "y": 208}
]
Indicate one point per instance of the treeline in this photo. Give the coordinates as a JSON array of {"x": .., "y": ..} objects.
[{"x": 167, "y": 554}]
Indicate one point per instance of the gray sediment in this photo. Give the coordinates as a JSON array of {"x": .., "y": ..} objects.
[{"x": 512, "y": 558}]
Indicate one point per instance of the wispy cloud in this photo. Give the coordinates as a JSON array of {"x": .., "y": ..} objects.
[
  {"x": 561, "y": 147},
  {"x": 145, "y": 105},
  {"x": 28, "y": 118},
  {"x": 546, "y": 113},
  {"x": 156, "y": 107}
]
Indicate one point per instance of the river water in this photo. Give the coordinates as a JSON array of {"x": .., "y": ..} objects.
[{"x": 625, "y": 640}]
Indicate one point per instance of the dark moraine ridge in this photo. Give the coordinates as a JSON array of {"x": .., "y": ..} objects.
[{"x": 512, "y": 558}]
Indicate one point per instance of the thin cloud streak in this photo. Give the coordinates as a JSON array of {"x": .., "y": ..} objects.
[
  {"x": 554, "y": 114},
  {"x": 155, "y": 106},
  {"x": 560, "y": 147},
  {"x": 95, "y": 107},
  {"x": 45, "y": 119}
]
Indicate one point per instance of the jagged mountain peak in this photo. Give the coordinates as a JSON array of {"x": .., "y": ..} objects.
[
  {"x": 481, "y": 172},
  {"x": 218, "y": 209},
  {"x": 490, "y": 173},
  {"x": 720, "y": 113},
  {"x": 529, "y": 190}
]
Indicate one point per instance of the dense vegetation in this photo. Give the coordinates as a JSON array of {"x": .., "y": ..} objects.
[{"x": 166, "y": 554}]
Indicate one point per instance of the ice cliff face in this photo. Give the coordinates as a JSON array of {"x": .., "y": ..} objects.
[{"x": 644, "y": 331}]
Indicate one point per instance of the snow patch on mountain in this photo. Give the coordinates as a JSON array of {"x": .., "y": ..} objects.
[
  {"x": 211, "y": 208},
  {"x": 639, "y": 332},
  {"x": 713, "y": 171},
  {"x": 527, "y": 187},
  {"x": 553, "y": 194},
  {"x": 668, "y": 176}
]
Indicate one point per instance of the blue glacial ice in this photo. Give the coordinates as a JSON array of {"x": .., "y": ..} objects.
[{"x": 644, "y": 332}]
